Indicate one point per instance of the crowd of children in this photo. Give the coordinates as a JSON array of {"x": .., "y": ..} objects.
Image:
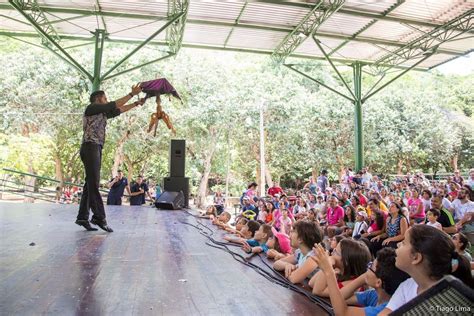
[{"x": 370, "y": 248}]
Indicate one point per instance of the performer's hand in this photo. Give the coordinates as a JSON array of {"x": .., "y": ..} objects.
[
  {"x": 136, "y": 89},
  {"x": 140, "y": 102}
]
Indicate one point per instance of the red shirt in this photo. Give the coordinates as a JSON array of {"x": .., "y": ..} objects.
[
  {"x": 362, "y": 200},
  {"x": 275, "y": 190},
  {"x": 453, "y": 194}
]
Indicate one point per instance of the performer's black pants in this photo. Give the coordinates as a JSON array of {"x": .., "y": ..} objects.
[{"x": 91, "y": 156}]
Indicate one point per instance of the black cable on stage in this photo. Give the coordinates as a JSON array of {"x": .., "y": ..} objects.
[
  {"x": 269, "y": 276},
  {"x": 282, "y": 281}
]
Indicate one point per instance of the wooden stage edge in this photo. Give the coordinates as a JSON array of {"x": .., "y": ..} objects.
[{"x": 153, "y": 264}]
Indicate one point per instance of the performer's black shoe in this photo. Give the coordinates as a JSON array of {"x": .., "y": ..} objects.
[
  {"x": 102, "y": 224},
  {"x": 85, "y": 223}
]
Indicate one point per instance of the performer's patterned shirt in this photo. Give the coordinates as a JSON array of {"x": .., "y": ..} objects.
[{"x": 94, "y": 121}]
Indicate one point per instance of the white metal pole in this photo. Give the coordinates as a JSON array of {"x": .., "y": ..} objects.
[
  {"x": 262, "y": 154},
  {"x": 227, "y": 168}
]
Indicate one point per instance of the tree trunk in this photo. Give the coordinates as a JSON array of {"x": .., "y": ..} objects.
[
  {"x": 58, "y": 168},
  {"x": 297, "y": 183},
  {"x": 202, "y": 190},
  {"x": 68, "y": 170},
  {"x": 400, "y": 166},
  {"x": 143, "y": 168},
  {"x": 268, "y": 176},
  {"x": 408, "y": 165},
  {"x": 454, "y": 162},
  {"x": 130, "y": 170},
  {"x": 258, "y": 178},
  {"x": 341, "y": 168},
  {"x": 118, "y": 156},
  {"x": 30, "y": 183}
]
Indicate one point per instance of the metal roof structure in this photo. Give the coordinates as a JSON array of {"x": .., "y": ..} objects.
[
  {"x": 383, "y": 36},
  {"x": 351, "y": 30}
]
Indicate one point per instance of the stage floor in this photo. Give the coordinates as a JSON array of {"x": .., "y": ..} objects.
[{"x": 152, "y": 264}]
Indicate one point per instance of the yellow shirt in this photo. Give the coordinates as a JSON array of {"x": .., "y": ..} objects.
[{"x": 382, "y": 207}]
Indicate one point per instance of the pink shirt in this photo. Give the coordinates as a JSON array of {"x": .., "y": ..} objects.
[
  {"x": 285, "y": 225},
  {"x": 334, "y": 215},
  {"x": 277, "y": 216},
  {"x": 373, "y": 227},
  {"x": 413, "y": 207},
  {"x": 250, "y": 193}
]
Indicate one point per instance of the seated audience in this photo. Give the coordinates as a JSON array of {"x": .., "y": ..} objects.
[
  {"x": 349, "y": 220},
  {"x": 462, "y": 243},
  {"x": 416, "y": 208},
  {"x": 286, "y": 222},
  {"x": 238, "y": 226},
  {"x": 376, "y": 225},
  {"x": 445, "y": 216},
  {"x": 360, "y": 226},
  {"x": 350, "y": 259},
  {"x": 259, "y": 242},
  {"x": 296, "y": 266},
  {"x": 221, "y": 221},
  {"x": 426, "y": 254},
  {"x": 393, "y": 232},
  {"x": 382, "y": 276},
  {"x": 279, "y": 245},
  {"x": 432, "y": 219},
  {"x": 247, "y": 232},
  {"x": 335, "y": 217}
]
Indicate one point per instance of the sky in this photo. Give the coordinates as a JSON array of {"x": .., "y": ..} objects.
[{"x": 463, "y": 65}]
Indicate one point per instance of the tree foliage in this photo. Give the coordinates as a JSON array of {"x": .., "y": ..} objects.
[{"x": 423, "y": 121}]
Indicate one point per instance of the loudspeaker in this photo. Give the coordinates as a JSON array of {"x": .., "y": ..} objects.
[
  {"x": 178, "y": 184},
  {"x": 177, "y": 157},
  {"x": 170, "y": 200},
  {"x": 448, "y": 296}
]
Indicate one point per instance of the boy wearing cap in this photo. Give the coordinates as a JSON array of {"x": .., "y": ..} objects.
[
  {"x": 247, "y": 204},
  {"x": 360, "y": 226}
]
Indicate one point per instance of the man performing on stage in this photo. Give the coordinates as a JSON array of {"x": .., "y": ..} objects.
[{"x": 94, "y": 124}]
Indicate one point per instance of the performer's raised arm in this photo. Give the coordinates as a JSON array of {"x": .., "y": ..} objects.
[{"x": 136, "y": 89}]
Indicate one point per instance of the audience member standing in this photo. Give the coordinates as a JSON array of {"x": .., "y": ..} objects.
[
  {"x": 323, "y": 181},
  {"x": 139, "y": 189},
  {"x": 117, "y": 186}
]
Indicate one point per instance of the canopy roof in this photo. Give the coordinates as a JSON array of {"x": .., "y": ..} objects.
[{"x": 395, "y": 32}]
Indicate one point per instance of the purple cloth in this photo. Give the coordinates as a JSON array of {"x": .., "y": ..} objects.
[{"x": 158, "y": 87}]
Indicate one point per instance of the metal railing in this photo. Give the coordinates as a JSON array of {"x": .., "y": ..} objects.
[
  {"x": 14, "y": 182},
  {"x": 429, "y": 176}
]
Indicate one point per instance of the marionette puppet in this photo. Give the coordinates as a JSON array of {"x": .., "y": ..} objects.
[{"x": 156, "y": 88}]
